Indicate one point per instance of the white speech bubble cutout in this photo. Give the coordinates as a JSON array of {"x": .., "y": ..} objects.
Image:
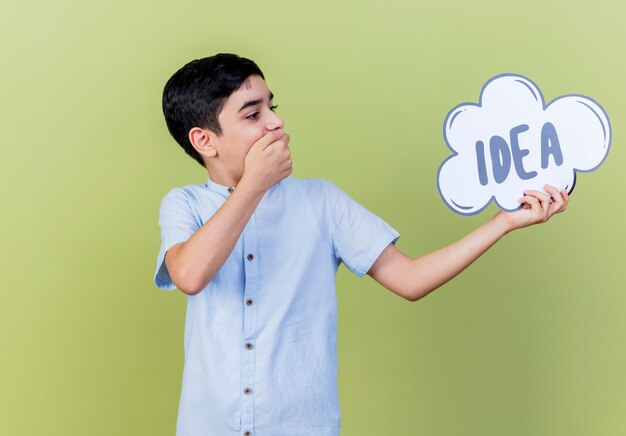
[{"x": 511, "y": 141}]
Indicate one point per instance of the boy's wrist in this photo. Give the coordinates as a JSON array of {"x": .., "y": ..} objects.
[
  {"x": 251, "y": 186},
  {"x": 501, "y": 223}
]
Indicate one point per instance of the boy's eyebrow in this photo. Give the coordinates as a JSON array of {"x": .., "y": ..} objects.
[{"x": 254, "y": 102}]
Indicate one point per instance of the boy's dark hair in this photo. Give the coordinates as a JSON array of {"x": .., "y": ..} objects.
[{"x": 195, "y": 95}]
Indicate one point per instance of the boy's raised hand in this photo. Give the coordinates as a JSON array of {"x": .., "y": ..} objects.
[
  {"x": 269, "y": 160},
  {"x": 537, "y": 207},
  {"x": 193, "y": 264}
]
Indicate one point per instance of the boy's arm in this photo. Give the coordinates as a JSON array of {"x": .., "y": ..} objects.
[
  {"x": 415, "y": 278},
  {"x": 193, "y": 264}
]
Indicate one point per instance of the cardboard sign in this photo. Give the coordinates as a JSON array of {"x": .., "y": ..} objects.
[{"x": 511, "y": 141}]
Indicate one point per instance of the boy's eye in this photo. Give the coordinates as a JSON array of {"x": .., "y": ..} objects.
[{"x": 256, "y": 114}]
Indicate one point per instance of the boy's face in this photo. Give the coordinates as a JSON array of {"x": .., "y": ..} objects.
[{"x": 247, "y": 115}]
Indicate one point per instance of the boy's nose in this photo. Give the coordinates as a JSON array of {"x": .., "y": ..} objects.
[{"x": 275, "y": 122}]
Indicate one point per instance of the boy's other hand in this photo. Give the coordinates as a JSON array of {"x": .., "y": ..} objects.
[
  {"x": 537, "y": 207},
  {"x": 269, "y": 160}
]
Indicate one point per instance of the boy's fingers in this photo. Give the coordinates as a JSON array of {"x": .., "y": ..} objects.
[
  {"x": 268, "y": 139},
  {"x": 565, "y": 197},
  {"x": 551, "y": 190},
  {"x": 555, "y": 207},
  {"x": 542, "y": 198},
  {"x": 556, "y": 202},
  {"x": 533, "y": 202},
  {"x": 280, "y": 143},
  {"x": 283, "y": 140},
  {"x": 280, "y": 150}
]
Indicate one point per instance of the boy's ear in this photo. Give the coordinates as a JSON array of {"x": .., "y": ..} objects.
[{"x": 203, "y": 140}]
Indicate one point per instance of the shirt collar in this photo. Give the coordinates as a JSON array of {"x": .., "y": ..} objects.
[
  {"x": 224, "y": 190},
  {"x": 220, "y": 189}
]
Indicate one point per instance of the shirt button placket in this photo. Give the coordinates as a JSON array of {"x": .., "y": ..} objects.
[{"x": 249, "y": 325}]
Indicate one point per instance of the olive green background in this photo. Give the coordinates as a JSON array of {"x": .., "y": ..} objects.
[{"x": 528, "y": 341}]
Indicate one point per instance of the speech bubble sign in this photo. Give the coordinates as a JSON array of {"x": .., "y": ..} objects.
[{"x": 511, "y": 141}]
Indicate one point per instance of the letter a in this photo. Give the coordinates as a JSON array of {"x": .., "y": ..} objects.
[{"x": 550, "y": 146}]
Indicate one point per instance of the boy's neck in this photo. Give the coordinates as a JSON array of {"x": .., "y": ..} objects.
[{"x": 223, "y": 179}]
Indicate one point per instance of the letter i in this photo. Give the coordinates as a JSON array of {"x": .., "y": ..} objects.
[{"x": 482, "y": 167}]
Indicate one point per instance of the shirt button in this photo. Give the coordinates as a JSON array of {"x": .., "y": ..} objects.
[
  {"x": 249, "y": 346},
  {"x": 230, "y": 189},
  {"x": 247, "y": 391},
  {"x": 247, "y": 433},
  {"x": 250, "y": 256},
  {"x": 249, "y": 302}
]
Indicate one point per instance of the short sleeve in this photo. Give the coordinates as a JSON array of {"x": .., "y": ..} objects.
[
  {"x": 358, "y": 235},
  {"x": 178, "y": 223}
]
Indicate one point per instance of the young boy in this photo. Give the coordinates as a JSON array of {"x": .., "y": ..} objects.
[{"x": 256, "y": 251}]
